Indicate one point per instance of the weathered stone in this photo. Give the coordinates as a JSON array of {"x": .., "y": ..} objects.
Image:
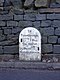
[
  {"x": 28, "y": 11},
  {"x": 6, "y": 57},
  {"x": 56, "y": 49},
  {"x": 52, "y": 1},
  {"x": 12, "y": 23},
  {"x": 46, "y": 48},
  {"x": 1, "y": 32},
  {"x": 8, "y": 42},
  {"x": 1, "y": 50},
  {"x": 1, "y": 4},
  {"x": 49, "y": 10},
  {"x": 28, "y": 3},
  {"x": 6, "y": 17},
  {"x": 55, "y": 5},
  {"x": 1, "y": 8},
  {"x": 40, "y": 16},
  {"x": 52, "y": 39},
  {"x": 7, "y": 31},
  {"x": 3, "y": 12},
  {"x": 12, "y": 36},
  {"x": 1, "y": 1},
  {"x": 2, "y": 37},
  {"x": 47, "y": 31},
  {"x": 58, "y": 40},
  {"x": 2, "y": 23},
  {"x": 6, "y": 64},
  {"x": 55, "y": 59},
  {"x": 16, "y": 3},
  {"x": 31, "y": 16},
  {"x": 25, "y": 23},
  {"x": 16, "y": 30},
  {"x": 58, "y": 1},
  {"x": 18, "y": 11},
  {"x": 56, "y": 66},
  {"x": 56, "y": 23},
  {"x": 44, "y": 39},
  {"x": 49, "y": 61},
  {"x": 11, "y": 49},
  {"x": 18, "y": 17},
  {"x": 44, "y": 60},
  {"x": 36, "y": 24},
  {"x": 9, "y": 8},
  {"x": 53, "y": 16},
  {"x": 46, "y": 23},
  {"x": 41, "y": 3},
  {"x": 6, "y": 27},
  {"x": 7, "y": 3},
  {"x": 57, "y": 31}
]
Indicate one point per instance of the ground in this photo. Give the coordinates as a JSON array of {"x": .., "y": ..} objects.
[{"x": 19, "y": 74}]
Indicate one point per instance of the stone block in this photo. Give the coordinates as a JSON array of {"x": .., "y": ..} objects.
[
  {"x": 7, "y": 65},
  {"x": 28, "y": 3},
  {"x": 6, "y": 58},
  {"x": 31, "y": 16},
  {"x": 41, "y": 3},
  {"x": 56, "y": 49},
  {"x": 55, "y": 5},
  {"x": 53, "y": 16},
  {"x": 18, "y": 12},
  {"x": 44, "y": 39},
  {"x": 10, "y": 36},
  {"x": 47, "y": 48},
  {"x": 46, "y": 23},
  {"x": 16, "y": 3},
  {"x": 16, "y": 30},
  {"x": 2, "y": 23},
  {"x": 7, "y": 3},
  {"x": 56, "y": 23},
  {"x": 25, "y": 23},
  {"x": 52, "y": 39},
  {"x": 18, "y": 17},
  {"x": 1, "y": 1},
  {"x": 6, "y": 17},
  {"x": 8, "y": 42},
  {"x": 58, "y": 40},
  {"x": 56, "y": 66},
  {"x": 36, "y": 24},
  {"x": 1, "y": 31},
  {"x": 40, "y": 16},
  {"x": 58, "y": 1},
  {"x": 57, "y": 31},
  {"x": 11, "y": 49},
  {"x": 47, "y": 31},
  {"x": 2, "y": 37},
  {"x": 7, "y": 31},
  {"x": 3, "y": 12},
  {"x": 1, "y": 8},
  {"x": 12, "y": 23},
  {"x": 1, "y": 50}
]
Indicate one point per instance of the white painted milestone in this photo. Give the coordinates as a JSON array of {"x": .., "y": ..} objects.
[{"x": 30, "y": 44}]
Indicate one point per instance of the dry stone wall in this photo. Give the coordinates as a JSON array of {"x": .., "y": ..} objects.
[{"x": 16, "y": 15}]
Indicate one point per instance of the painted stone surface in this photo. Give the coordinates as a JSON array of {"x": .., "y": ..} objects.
[{"x": 30, "y": 44}]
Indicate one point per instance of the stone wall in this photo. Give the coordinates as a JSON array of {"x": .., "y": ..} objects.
[{"x": 16, "y": 15}]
